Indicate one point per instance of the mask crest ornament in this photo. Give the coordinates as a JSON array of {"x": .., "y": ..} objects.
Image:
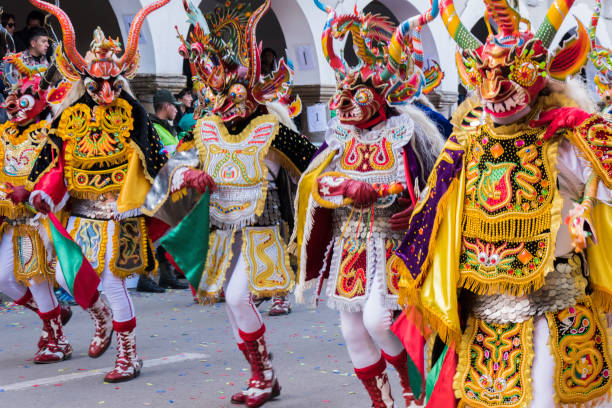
[
  {"x": 601, "y": 58},
  {"x": 226, "y": 61},
  {"x": 514, "y": 64},
  {"x": 103, "y": 69},
  {"x": 391, "y": 64}
]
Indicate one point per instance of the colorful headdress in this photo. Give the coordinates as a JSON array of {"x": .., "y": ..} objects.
[
  {"x": 226, "y": 59},
  {"x": 514, "y": 57},
  {"x": 601, "y": 58},
  {"x": 391, "y": 59},
  {"x": 33, "y": 91},
  {"x": 103, "y": 62}
]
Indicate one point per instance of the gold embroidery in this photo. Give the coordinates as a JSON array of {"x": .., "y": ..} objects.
[
  {"x": 220, "y": 255},
  {"x": 92, "y": 237},
  {"x": 580, "y": 347},
  {"x": 352, "y": 276},
  {"x": 30, "y": 261},
  {"x": 130, "y": 247},
  {"x": 97, "y": 147},
  {"x": 494, "y": 367},
  {"x": 267, "y": 260}
]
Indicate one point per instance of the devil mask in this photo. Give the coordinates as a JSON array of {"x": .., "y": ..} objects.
[
  {"x": 103, "y": 70},
  {"x": 514, "y": 64},
  {"x": 225, "y": 59},
  {"x": 390, "y": 71}
]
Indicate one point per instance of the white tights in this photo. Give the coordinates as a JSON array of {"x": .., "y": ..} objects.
[
  {"x": 114, "y": 288},
  {"x": 363, "y": 330},
  {"x": 42, "y": 292},
  {"x": 242, "y": 313}
]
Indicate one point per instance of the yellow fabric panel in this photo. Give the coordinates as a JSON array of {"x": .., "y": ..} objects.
[
  {"x": 598, "y": 257},
  {"x": 438, "y": 294},
  {"x": 136, "y": 186}
]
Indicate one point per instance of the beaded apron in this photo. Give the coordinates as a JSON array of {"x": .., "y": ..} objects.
[
  {"x": 363, "y": 248},
  {"x": 511, "y": 212}
]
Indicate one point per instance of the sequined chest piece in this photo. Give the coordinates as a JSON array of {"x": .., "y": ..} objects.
[
  {"x": 374, "y": 157},
  {"x": 236, "y": 163},
  {"x": 510, "y": 202},
  {"x": 97, "y": 147},
  {"x": 20, "y": 149}
]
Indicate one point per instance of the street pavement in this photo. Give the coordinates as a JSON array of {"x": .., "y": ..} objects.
[{"x": 191, "y": 360}]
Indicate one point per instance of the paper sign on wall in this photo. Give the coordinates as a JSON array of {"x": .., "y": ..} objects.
[
  {"x": 317, "y": 118},
  {"x": 305, "y": 57}
]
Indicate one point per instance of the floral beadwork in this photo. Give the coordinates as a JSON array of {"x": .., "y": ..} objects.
[
  {"x": 580, "y": 347},
  {"x": 511, "y": 211},
  {"x": 494, "y": 365}
]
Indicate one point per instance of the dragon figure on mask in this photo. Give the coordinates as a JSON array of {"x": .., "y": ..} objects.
[
  {"x": 601, "y": 58},
  {"x": 246, "y": 152},
  {"x": 527, "y": 153},
  {"x": 101, "y": 158},
  {"x": 355, "y": 199}
]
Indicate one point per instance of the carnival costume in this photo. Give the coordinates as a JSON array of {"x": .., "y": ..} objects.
[
  {"x": 378, "y": 144},
  {"x": 602, "y": 60},
  {"x": 489, "y": 234},
  {"x": 102, "y": 157},
  {"x": 28, "y": 258},
  {"x": 237, "y": 151}
]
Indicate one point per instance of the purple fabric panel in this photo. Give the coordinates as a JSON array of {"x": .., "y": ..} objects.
[
  {"x": 414, "y": 165},
  {"x": 319, "y": 150},
  {"x": 414, "y": 247}
]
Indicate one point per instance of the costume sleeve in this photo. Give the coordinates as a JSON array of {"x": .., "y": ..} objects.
[
  {"x": 292, "y": 150},
  {"x": 593, "y": 138},
  {"x": 47, "y": 176}
]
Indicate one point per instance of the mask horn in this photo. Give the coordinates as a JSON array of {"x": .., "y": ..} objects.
[
  {"x": 68, "y": 30},
  {"x": 462, "y": 36},
  {"x": 553, "y": 20}
]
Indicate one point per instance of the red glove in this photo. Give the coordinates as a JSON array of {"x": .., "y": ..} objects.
[
  {"x": 362, "y": 193},
  {"x": 19, "y": 194},
  {"x": 560, "y": 118},
  {"x": 41, "y": 205},
  {"x": 199, "y": 180},
  {"x": 401, "y": 219}
]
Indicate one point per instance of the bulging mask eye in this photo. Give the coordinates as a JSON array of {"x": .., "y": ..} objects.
[
  {"x": 238, "y": 93},
  {"x": 119, "y": 84},
  {"x": 363, "y": 96},
  {"x": 91, "y": 85},
  {"x": 26, "y": 101}
]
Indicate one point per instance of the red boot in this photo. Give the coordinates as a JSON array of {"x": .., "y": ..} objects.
[
  {"x": 103, "y": 324},
  {"x": 55, "y": 347},
  {"x": 240, "y": 397},
  {"x": 28, "y": 302},
  {"x": 127, "y": 365},
  {"x": 280, "y": 306},
  {"x": 263, "y": 385},
  {"x": 400, "y": 362},
  {"x": 376, "y": 382}
]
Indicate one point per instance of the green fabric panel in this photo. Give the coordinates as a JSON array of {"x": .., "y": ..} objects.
[
  {"x": 416, "y": 378},
  {"x": 434, "y": 374},
  {"x": 188, "y": 241}
]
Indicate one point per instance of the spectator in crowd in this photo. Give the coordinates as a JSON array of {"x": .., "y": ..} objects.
[
  {"x": 8, "y": 22},
  {"x": 269, "y": 61},
  {"x": 185, "y": 98},
  {"x": 38, "y": 44},
  {"x": 35, "y": 19},
  {"x": 166, "y": 108}
]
